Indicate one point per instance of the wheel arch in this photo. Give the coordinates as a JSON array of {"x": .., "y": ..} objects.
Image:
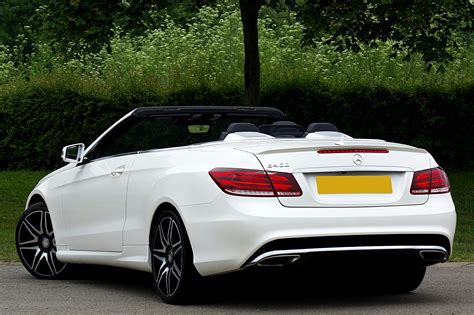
[
  {"x": 159, "y": 210},
  {"x": 167, "y": 205},
  {"x": 35, "y": 198},
  {"x": 53, "y": 204}
]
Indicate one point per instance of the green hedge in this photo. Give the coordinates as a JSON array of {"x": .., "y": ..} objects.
[
  {"x": 441, "y": 122},
  {"x": 36, "y": 122}
]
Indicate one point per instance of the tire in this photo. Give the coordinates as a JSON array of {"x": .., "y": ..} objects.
[
  {"x": 406, "y": 280},
  {"x": 174, "y": 274},
  {"x": 36, "y": 245}
]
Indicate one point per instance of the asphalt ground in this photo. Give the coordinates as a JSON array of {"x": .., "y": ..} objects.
[{"x": 447, "y": 289}]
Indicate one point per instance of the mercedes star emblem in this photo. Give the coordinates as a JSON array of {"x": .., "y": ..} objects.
[{"x": 357, "y": 159}]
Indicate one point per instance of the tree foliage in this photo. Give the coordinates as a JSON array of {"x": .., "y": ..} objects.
[
  {"x": 424, "y": 27},
  {"x": 14, "y": 16},
  {"x": 428, "y": 28},
  {"x": 86, "y": 22},
  {"x": 90, "y": 24},
  {"x": 432, "y": 29}
]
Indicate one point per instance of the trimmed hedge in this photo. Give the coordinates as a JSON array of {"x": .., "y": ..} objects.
[
  {"x": 36, "y": 123},
  {"x": 441, "y": 122}
]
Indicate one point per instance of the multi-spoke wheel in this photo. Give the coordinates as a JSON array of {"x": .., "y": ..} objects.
[
  {"x": 173, "y": 271},
  {"x": 36, "y": 245}
]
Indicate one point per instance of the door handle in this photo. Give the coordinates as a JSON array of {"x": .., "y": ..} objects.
[{"x": 118, "y": 171}]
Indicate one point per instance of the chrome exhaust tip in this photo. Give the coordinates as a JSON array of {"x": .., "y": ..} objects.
[
  {"x": 278, "y": 261},
  {"x": 433, "y": 255}
]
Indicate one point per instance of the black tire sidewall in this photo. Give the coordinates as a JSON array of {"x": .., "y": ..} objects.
[
  {"x": 41, "y": 206},
  {"x": 188, "y": 273}
]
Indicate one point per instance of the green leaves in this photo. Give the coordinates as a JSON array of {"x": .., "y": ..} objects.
[
  {"x": 14, "y": 17},
  {"x": 416, "y": 27},
  {"x": 69, "y": 23}
]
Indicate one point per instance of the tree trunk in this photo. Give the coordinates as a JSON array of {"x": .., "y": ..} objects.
[{"x": 249, "y": 15}]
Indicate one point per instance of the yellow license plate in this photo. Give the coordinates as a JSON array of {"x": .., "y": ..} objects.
[{"x": 354, "y": 184}]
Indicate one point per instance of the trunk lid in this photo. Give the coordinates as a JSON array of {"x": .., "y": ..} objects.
[{"x": 355, "y": 179}]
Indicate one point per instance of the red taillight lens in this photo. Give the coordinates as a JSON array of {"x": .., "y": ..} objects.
[
  {"x": 432, "y": 181},
  {"x": 243, "y": 182},
  {"x": 421, "y": 182},
  {"x": 285, "y": 184},
  {"x": 439, "y": 181}
]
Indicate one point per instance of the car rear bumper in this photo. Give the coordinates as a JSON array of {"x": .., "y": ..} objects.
[
  {"x": 232, "y": 232},
  {"x": 425, "y": 249}
]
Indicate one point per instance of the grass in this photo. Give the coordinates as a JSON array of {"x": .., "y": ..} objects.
[
  {"x": 462, "y": 185},
  {"x": 15, "y": 187}
]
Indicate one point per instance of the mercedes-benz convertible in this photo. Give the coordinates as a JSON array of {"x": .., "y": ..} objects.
[{"x": 189, "y": 192}]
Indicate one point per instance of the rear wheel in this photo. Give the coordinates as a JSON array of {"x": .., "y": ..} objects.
[
  {"x": 172, "y": 260},
  {"x": 36, "y": 245}
]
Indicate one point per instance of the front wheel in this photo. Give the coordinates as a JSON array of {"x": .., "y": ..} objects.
[
  {"x": 172, "y": 262},
  {"x": 36, "y": 245}
]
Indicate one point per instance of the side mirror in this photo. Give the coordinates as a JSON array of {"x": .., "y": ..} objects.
[{"x": 73, "y": 153}]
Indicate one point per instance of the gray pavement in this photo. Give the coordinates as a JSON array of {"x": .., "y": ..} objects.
[{"x": 447, "y": 289}]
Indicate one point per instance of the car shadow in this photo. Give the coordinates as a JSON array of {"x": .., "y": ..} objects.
[
  {"x": 265, "y": 288},
  {"x": 291, "y": 289}
]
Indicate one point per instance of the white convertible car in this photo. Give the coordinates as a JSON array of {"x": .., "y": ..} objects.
[{"x": 186, "y": 192}]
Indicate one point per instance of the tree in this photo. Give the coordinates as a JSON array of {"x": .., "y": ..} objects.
[
  {"x": 431, "y": 29},
  {"x": 69, "y": 23},
  {"x": 249, "y": 14},
  {"x": 14, "y": 16},
  {"x": 424, "y": 27}
]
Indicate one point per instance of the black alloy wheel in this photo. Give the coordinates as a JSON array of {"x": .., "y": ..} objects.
[
  {"x": 36, "y": 245},
  {"x": 173, "y": 271}
]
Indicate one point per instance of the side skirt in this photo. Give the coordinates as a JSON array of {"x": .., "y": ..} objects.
[{"x": 132, "y": 257}]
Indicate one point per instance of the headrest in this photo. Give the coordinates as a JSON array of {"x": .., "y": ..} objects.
[
  {"x": 265, "y": 128},
  {"x": 286, "y": 129},
  {"x": 239, "y": 127},
  {"x": 321, "y": 126},
  {"x": 284, "y": 123}
]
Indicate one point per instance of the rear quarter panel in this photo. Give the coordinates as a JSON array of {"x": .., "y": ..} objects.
[{"x": 179, "y": 177}]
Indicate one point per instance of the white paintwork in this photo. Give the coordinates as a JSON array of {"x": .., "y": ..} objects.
[
  {"x": 102, "y": 211},
  {"x": 305, "y": 163},
  {"x": 246, "y": 135},
  {"x": 327, "y": 134},
  {"x": 94, "y": 201}
]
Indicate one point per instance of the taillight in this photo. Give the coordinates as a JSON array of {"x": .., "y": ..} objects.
[
  {"x": 244, "y": 182},
  {"x": 285, "y": 184},
  {"x": 432, "y": 181}
]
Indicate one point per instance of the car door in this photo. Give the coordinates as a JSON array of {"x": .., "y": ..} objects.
[{"x": 94, "y": 194}]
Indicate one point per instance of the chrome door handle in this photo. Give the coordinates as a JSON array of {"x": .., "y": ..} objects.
[{"x": 118, "y": 171}]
